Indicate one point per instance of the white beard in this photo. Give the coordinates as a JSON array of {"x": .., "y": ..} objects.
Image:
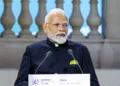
[{"x": 58, "y": 39}]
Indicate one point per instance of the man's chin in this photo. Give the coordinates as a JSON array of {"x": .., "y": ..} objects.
[
  {"x": 61, "y": 40},
  {"x": 58, "y": 39}
]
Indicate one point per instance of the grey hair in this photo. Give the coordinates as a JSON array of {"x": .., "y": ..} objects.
[{"x": 55, "y": 10}]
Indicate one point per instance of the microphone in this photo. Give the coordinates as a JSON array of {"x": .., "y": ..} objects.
[
  {"x": 47, "y": 54},
  {"x": 71, "y": 53}
]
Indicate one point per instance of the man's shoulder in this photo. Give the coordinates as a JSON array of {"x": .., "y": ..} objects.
[
  {"x": 38, "y": 44},
  {"x": 76, "y": 44}
]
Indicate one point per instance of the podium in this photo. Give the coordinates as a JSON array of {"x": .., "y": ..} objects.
[{"x": 59, "y": 80}]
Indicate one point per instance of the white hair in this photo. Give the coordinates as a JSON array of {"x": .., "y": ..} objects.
[
  {"x": 55, "y": 10},
  {"x": 57, "y": 39}
]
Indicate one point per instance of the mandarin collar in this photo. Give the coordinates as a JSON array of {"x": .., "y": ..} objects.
[{"x": 52, "y": 44}]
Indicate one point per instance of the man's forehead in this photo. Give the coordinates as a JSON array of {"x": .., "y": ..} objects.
[
  {"x": 58, "y": 17},
  {"x": 59, "y": 22}
]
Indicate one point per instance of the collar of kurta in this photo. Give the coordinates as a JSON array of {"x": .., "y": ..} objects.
[{"x": 52, "y": 44}]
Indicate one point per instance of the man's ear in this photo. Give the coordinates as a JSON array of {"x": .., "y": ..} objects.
[{"x": 45, "y": 28}]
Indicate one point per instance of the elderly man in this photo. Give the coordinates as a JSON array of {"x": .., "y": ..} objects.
[{"x": 56, "y": 54}]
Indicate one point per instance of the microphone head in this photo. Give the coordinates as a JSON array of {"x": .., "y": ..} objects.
[
  {"x": 48, "y": 53},
  {"x": 70, "y": 51}
]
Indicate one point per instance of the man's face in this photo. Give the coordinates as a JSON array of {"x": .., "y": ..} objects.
[{"x": 57, "y": 28}]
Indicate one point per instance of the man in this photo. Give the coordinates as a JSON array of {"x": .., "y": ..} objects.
[{"x": 56, "y": 54}]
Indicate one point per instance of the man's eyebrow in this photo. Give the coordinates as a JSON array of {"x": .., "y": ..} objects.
[{"x": 65, "y": 22}]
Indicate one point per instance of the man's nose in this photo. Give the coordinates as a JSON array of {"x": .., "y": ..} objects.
[{"x": 61, "y": 27}]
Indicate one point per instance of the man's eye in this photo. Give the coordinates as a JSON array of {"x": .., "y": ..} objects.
[
  {"x": 65, "y": 25},
  {"x": 56, "y": 25}
]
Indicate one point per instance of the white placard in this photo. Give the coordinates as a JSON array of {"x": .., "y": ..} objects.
[{"x": 59, "y": 80}]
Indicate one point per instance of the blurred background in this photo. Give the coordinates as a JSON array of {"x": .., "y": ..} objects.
[{"x": 94, "y": 23}]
